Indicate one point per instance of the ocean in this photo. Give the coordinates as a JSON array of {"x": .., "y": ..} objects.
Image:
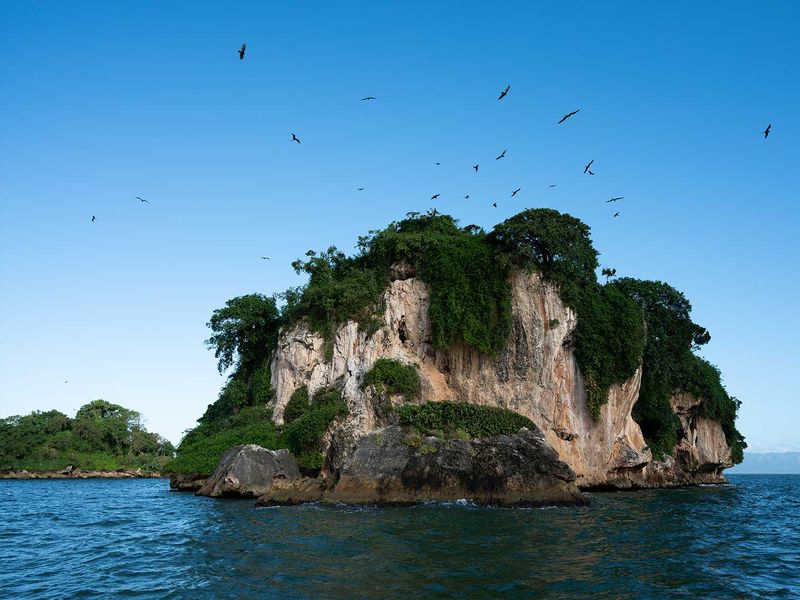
[{"x": 137, "y": 539}]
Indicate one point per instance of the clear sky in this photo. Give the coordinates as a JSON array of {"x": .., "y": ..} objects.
[{"x": 104, "y": 101}]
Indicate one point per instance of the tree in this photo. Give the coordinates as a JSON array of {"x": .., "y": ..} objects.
[
  {"x": 557, "y": 244},
  {"x": 244, "y": 331},
  {"x": 608, "y": 273}
]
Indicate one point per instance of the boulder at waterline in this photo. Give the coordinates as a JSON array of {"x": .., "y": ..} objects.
[{"x": 248, "y": 471}]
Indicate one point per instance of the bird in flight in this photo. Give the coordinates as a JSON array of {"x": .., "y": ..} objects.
[
  {"x": 66, "y": 381},
  {"x": 502, "y": 155},
  {"x": 475, "y": 167},
  {"x": 552, "y": 185},
  {"x": 241, "y": 51},
  {"x": 504, "y": 92},
  {"x": 368, "y": 98},
  {"x": 514, "y": 193},
  {"x": 615, "y": 199},
  {"x": 360, "y": 189},
  {"x": 438, "y": 163},
  {"x": 94, "y": 218},
  {"x": 568, "y": 115},
  {"x": 295, "y": 138},
  {"x": 466, "y": 197},
  {"x": 142, "y": 199},
  {"x": 494, "y": 204},
  {"x": 616, "y": 214},
  {"x": 766, "y": 131},
  {"x": 586, "y": 168},
  {"x": 435, "y": 196},
  {"x": 265, "y": 258}
]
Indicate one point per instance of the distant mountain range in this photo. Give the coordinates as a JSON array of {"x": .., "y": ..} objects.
[{"x": 783, "y": 463}]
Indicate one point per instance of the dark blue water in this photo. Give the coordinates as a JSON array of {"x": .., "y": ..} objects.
[{"x": 107, "y": 538}]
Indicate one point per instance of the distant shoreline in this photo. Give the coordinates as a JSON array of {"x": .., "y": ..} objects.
[{"x": 77, "y": 473}]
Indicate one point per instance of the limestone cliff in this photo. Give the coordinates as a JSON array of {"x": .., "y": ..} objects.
[{"x": 536, "y": 375}]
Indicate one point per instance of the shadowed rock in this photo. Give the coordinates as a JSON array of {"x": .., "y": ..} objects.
[
  {"x": 391, "y": 467},
  {"x": 249, "y": 471}
]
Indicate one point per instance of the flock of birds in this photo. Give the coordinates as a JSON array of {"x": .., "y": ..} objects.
[{"x": 587, "y": 169}]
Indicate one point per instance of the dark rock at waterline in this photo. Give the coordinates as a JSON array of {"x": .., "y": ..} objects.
[
  {"x": 187, "y": 482},
  {"x": 391, "y": 467},
  {"x": 248, "y": 471}
]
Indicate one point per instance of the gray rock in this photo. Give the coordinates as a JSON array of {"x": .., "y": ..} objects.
[
  {"x": 388, "y": 468},
  {"x": 248, "y": 471}
]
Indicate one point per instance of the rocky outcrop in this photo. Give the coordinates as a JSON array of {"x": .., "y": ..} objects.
[
  {"x": 186, "y": 482},
  {"x": 248, "y": 472},
  {"x": 389, "y": 468},
  {"x": 536, "y": 375},
  {"x": 71, "y": 472}
]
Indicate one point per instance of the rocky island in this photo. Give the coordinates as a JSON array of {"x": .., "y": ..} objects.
[{"x": 444, "y": 362}]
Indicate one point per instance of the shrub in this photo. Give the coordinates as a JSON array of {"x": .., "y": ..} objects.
[
  {"x": 394, "y": 377},
  {"x": 202, "y": 448},
  {"x": 303, "y": 436},
  {"x": 297, "y": 405},
  {"x": 471, "y": 419}
]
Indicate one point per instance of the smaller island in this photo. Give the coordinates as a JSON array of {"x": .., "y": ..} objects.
[{"x": 102, "y": 440}]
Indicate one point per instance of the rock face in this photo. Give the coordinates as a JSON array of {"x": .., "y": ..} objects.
[
  {"x": 186, "y": 482},
  {"x": 248, "y": 472},
  {"x": 536, "y": 375},
  {"x": 502, "y": 470}
]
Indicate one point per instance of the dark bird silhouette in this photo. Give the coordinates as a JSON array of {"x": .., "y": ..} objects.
[
  {"x": 142, "y": 199},
  {"x": 66, "y": 381},
  {"x": 494, "y": 204},
  {"x": 466, "y": 197},
  {"x": 475, "y": 167},
  {"x": 766, "y": 131},
  {"x": 615, "y": 199},
  {"x": 295, "y": 138},
  {"x": 94, "y": 218},
  {"x": 514, "y": 193},
  {"x": 437, "y": 164},
  {"x": 504, "y": 92},
  {"x": 360, "y": 189},
  {"x": 368, "y": 98},
  {"x": 241, "y": 51},
  {"x": 502, "y": 155},
  {"x": 435, "y": 196},
  {"x": 552, "y": 185},
  {"x": 265, "y": 258},
  {"x": 616, "y": 214},
  {"x": 586, "y": 168},
  {"x": 568, "y": 115}
]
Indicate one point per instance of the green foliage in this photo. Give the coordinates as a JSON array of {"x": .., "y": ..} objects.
[
  {"x": 310, "y": 462},
  {"x": 670, "y": 366},
  {"x": 101, "y": 436},
  {"x": 339, "y": 288},
  {"x": 472, "y": 419},
  {"x": 245, "y": 331},
  {"x": 609, "y": 342},
  {"x": 556, "y": 244},
  {"x": 304, "y": 434},
  {"x": 297, "y": 406},
  {"x": 394, "y": 377},
  {"x": 470, "y": 298},
  {"x": 202, "y": 448}
]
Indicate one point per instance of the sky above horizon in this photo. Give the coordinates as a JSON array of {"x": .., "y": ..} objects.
[{"x": 101, "y": 102}]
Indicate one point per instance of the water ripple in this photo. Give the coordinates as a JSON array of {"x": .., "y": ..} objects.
[{"x": 135, "y": 538}]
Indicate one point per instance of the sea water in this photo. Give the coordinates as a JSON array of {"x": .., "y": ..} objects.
[{"x": 136, "y": 538}]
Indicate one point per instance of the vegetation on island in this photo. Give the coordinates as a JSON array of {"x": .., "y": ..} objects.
[
  {"x": 474, "y": 420},
  {"x": 622, "y": 324},
  {"x": 101, "y": 437},
  {"x": 393, "y": 377}
]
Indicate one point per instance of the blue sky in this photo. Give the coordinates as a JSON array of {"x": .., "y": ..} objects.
[{"x": 101, "y": 102}]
